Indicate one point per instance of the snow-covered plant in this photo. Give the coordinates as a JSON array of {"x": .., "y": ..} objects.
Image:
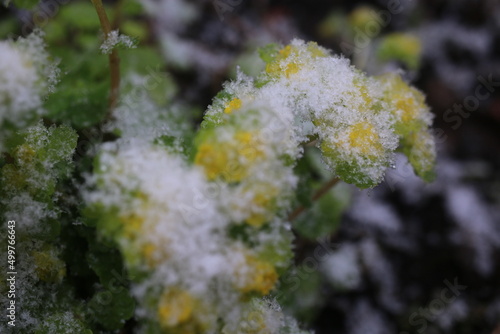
[
  {"x": 206, "y": 233},
  {"x": 198, "y": 222}
]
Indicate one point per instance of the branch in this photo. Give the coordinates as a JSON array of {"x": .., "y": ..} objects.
[
  {"x": 322, "y": 191},
  {"x": 114, "y": 60}
]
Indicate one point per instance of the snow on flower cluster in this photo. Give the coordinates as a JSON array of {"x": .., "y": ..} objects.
[
  {"x": 356, "y": 120},
  {"x": 26, "y": 75},
  {"x": 205, "y": 234},
  {"x": 170, "y": 223}
]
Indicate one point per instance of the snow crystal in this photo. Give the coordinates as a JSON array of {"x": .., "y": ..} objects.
[
  {"x": 380, "y": 269},
  {"x": 367, "y": 210},
  {"x": 342, "y": 267},
  {"x": 114, "y": 39},
  {"x": 453, "y": 313},
  {"x": 365, "y": 319},
  {"x": 475, "y": 226}
]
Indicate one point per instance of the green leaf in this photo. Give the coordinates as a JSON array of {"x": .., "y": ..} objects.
[
  {"x": 324, "y": 216},
  {"x": 107, "y": 263},
  {"x": 25, "y": 4},
  {"x": 80, "y": 15},
  {"x": 303, "y": 296},
  {"x": 111, "y": 308},
  {"x": 268, "y": 53}
]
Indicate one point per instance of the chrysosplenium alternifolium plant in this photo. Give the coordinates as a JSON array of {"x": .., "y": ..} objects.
[
  {"x": 206, "y": 233},
  {"x": 202, "y": 226}
]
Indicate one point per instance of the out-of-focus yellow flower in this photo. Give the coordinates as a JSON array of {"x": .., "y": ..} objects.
[
  {"x": 290, "y": 59},
  {"x": 291, "y": 68},
  {"x": 233, "y": 105},
  {"x": 254, "y": 323},
  {"x": 360, "y": 17},
  {"x": 175, "y": 307},
  {"x": 406, "y": 103},
  {"x": 406, "y": 48},
  {"x": 286, "y": 52},
  {"x": 316, "y": 50},
  {"x": 263, "y": 205},
  {"x": 132, "y": 225},
  {"x": 256, "y": 276},
  {"x": 213, "y": 159}
]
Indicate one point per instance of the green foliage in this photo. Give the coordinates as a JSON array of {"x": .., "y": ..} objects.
[
  {"x": 405, "y": 48},
  {"x": 268, "y": 53},
  {"x": 111, "y": 308},
  {"x": 303, "y": 297},
  {"x": 324, "y": 216},
  {"x": 26, "y": 4},
  {"x": 63, "y": 323}
]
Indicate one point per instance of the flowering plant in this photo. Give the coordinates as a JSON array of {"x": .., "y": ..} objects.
[{"x": 199, "y": 221}]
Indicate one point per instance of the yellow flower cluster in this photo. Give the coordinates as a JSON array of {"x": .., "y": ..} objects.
[
  {"x": 175, "y": 307},
  {"x": 364, "y": 138},
  {"x": 256, "y": 276},
  {"x": 232, "y": 159},
  {"x": 233, "y": 105},
  {"x": 246, "y": 150},
  {"x": 291, "y": 59}
]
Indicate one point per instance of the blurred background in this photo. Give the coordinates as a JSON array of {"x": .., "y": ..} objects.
[{"x": 404, "y": 257}]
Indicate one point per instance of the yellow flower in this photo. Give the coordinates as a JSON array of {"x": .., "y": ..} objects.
[
  {"x": 406, "y": 103},
  {"x": 256, "y": 276},
  {"x": 175, "y": 307},
  {"x": 407, "y": 106},
  {"x": 272, "y": 68},
  {"x": 286, "y": 52},
  {"x": 254, "y": 323},
  {"x": 361, "y": 17},
  {"x": 315, "y": 50},
  {"x": 152, "y": 254},
  {"x": 233, "y": 105},
  {"x": 364, "y": 138},
  {"x": 132, "y": 225},
  {"x": 281, "y": 66},
  {"x": 213, "y": 160},
  {"x": 230, "y": 160},
  {"x": 291, "y": 68},
  {"x": 263, "y": 205}
]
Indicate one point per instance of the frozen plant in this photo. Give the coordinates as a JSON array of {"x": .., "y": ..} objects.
[
  {"x": 205, "y": 233},
  {"x": 196, "y": 224}
]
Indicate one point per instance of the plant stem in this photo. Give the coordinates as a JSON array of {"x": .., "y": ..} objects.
[
  {"x": 322, "y": 191},
  {"x": 114, "y": 60}
]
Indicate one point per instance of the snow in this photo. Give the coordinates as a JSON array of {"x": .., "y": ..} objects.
[
  {"x": 114, "y": 39},
  {"x": 342, "y": 267}
]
